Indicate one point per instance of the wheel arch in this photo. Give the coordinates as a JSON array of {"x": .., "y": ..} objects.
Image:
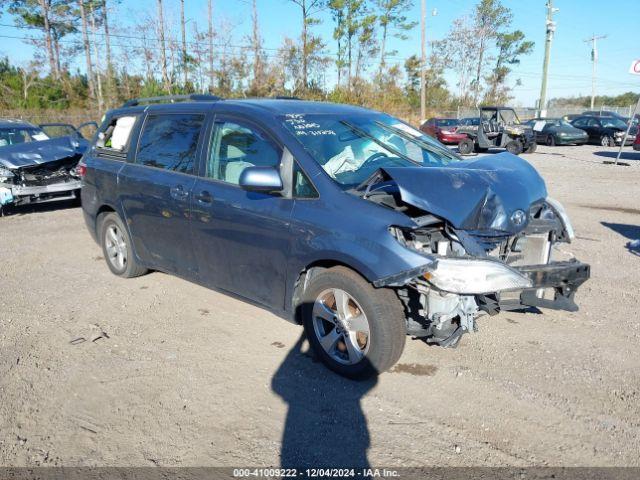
[
  {"x": 103, "y": 210},
  {"x": 304, "y": 275}
]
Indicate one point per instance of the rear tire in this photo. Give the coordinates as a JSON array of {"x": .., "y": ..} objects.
[
  {"x": 369, "y": 339},
  {"x": 551, "y": 141},
  {"x": 514, "y": 147},
  {"x": 465, "y": 147},
  {"x": 532, "y": 148},
  {"x": 117, "y": 247}
]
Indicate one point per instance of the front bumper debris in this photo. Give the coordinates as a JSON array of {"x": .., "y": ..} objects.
[{"x": 25, "y": 194}]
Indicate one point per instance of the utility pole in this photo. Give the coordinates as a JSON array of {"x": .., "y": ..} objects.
[
  {"x": 423, "y": 72},
  {"x": 551, "y": 28},
  {"x": 594, "y": 60}
]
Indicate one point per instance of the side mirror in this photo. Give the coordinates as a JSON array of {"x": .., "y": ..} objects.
[{"x": 261, "y": 179}]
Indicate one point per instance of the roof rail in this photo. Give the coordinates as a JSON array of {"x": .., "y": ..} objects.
[
  {"x": 194, "y": 97},
  {"x": 286, "y": 97}
]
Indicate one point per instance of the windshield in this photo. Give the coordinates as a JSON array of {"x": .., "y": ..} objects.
[
  {"x": 556, "y": 122},
  {"x": 613, "y": 123},
  {"x": 447, "y": 122},
  {"x": 351, "y": 147},
  {"x": 15, "y": 135}
]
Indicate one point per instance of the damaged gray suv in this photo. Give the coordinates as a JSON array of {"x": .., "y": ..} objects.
[{"x": 345, "y": 220}]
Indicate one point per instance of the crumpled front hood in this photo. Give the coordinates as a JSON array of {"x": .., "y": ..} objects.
[
  {"x": 480, "y": 194},
  {"x": 36, "y": 153}
]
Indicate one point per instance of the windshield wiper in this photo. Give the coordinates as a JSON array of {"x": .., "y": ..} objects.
[{"x": 374, "y": 179}]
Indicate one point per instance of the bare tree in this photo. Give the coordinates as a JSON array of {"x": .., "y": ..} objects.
[
  {"x": 210, "y": 35},
  {"x": 163, "y": 48},
  {"x": 185, "y": 75},
  {"x": 256, "y": 47},
  {"x": 29, "y": 76},
  {"x": 92, "y": 17},
  {"x": 87, "y": 49}
]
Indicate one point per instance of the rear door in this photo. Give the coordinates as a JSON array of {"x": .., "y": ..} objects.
[
  {"x": 241, "y": 238},
  {"x": 155, "y": 190}
]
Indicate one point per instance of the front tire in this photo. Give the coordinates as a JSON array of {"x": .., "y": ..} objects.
[
  {"x": 355, "y": 329},
  {"x": 607, "y": 141},
  {"x": 514, "y": 147},
  {"x": 551, "y": 141},
  {"x": 465, "y": 147},
  {"x": 532, "y": 148},
  {"x": 117, "y": 247}
]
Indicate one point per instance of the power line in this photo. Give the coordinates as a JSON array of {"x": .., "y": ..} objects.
[{"x": 154, "y": 39}]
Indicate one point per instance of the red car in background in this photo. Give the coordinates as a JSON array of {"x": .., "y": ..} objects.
[
  {"x": 636, "y": 143},
  {"x": 444, "y": 130}
]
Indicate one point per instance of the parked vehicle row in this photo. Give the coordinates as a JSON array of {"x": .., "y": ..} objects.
[{"x": 499, "y": 127}]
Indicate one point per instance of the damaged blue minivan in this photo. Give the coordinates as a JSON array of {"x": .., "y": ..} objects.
[{"x": 345, "y": 220}]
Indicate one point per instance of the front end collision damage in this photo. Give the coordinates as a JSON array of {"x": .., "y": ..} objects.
[
  {"x": 38, "y": 172},
  {"x": 489, "y": 250}
]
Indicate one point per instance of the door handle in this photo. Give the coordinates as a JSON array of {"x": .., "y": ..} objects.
[
  {"x": 204, "y": 197},
  {"x": 178, "y": 192}
]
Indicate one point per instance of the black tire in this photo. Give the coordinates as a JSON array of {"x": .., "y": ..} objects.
[
  {"x": 384, "y": 314},
  {"x": 551, "y": 141},
  {"x": 465, "y": 147},
  {"x": 532, "y": 147},
  {"x": 514, "y": 147},
  {"x": 108, "y": 223},
  {"x": 607, "y": 141}
]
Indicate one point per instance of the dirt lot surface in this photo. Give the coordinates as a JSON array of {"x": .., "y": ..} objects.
[{"x": 96, "y": 370}]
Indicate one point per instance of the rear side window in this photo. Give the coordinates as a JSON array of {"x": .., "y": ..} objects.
[
  {"x": 170, "y": 141},
  {"x": 114, "y": 137}
]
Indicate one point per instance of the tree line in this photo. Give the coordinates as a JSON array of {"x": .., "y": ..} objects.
[{"x": 159, "y": 52}]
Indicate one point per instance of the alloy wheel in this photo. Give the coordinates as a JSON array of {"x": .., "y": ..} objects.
[
  {"x": 341, "y": 326},
  {"x": 116, "y": 247}
]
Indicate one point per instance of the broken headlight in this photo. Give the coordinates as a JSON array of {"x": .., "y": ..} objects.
[
  {"x": 5, "y": 174},
  {"x": 475, "y": 276}
]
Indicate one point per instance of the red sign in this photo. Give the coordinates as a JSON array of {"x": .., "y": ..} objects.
[{"x": 635, "y": 67}]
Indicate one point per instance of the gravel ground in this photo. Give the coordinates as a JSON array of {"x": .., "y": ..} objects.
[{"x": 96, "y": 370}]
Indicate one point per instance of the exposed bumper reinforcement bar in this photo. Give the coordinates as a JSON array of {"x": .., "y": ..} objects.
[{"x": 563, "y": 277}]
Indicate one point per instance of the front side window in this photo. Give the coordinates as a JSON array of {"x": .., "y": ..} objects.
[
  {"x": 170, "y": 141},
  {"x": 302, "y": 186},
  {"x": 351, "y": 147},
  {"x": 16, "y": 135},
  {"x": 235, "y": 147}
]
